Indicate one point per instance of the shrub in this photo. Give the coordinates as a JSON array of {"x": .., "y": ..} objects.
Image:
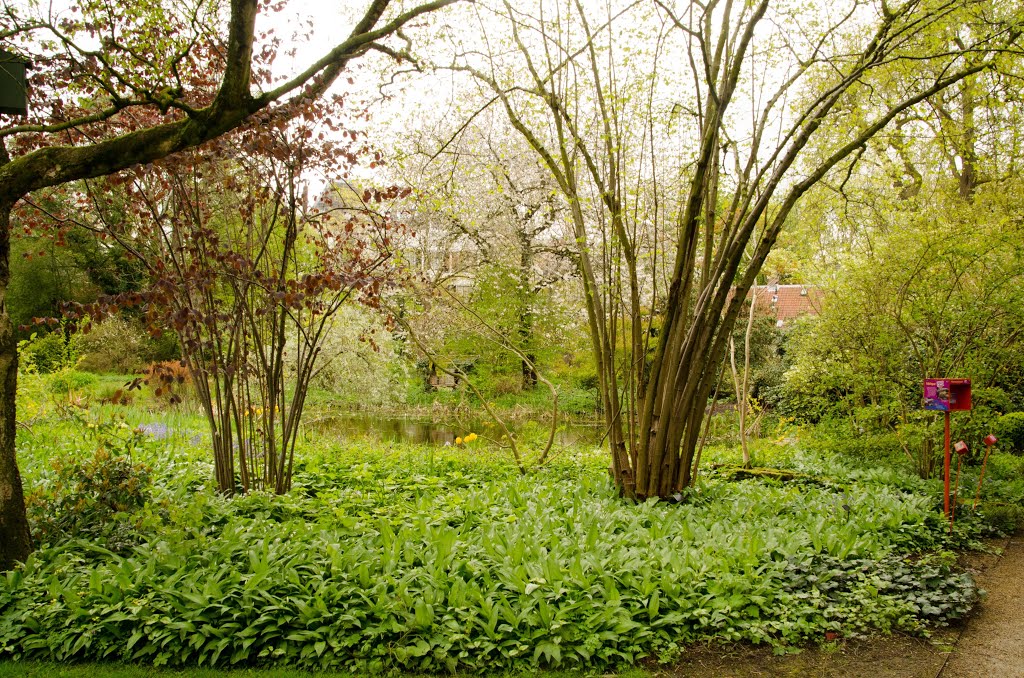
[
  {"x": 115, "y": 346},
  {"x": 115, "y": 395},
  {"x": 170, "y": 380},
  {"x": 163, "y": 347},
  {"x": 578, "y": 402},
  {"x": 839, "y": 439},
  {"x": 34, "y": 401},
  {"x": 51, "y": 352},
  {"x": 90, "y": 499},
  {"x": 67, "y": 381},
  {"x": 507, "y": 384},
  {"x": 1005, "y": 518},
  {"x": 360, "y": 360},
  {"x": 1009, "y": 428},
  {"x": 987, "y": 406},
  {"x": 995, "y": 399}
]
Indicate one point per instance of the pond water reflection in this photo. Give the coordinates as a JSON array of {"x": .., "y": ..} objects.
[{"x": 358, "y": 426}]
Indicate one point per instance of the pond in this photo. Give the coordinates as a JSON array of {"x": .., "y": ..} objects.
[{"x": 361, "y": 426}]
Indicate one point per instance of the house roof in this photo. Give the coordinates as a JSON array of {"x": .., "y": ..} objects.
[{"x": 786, "y": 302}]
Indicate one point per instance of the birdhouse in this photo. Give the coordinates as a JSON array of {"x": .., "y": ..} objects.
[
  {"x": 13, "y": 84},
  {"x": 946, "y": 395}
]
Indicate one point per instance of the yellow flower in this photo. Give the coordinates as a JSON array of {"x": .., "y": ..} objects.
[
  {"x": 471, "y": 437},
  {"x": 458, "y": 441}
]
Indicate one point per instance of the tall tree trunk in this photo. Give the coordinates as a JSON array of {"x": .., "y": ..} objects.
[
  {"x": 15, "y": 541},
  {"x": 742, "y": 386},
  {"x": 968, "y": 138},
  {"x": 525, "y": 319}
]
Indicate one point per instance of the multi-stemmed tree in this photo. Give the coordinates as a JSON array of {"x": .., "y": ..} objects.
[
  {"x": 118, "y": 86},
  {"x": 682, "y": 135},
  {"x": 249, "y": 272}
]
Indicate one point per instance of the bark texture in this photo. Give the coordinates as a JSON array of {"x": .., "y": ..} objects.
[{"x": 15, "y": 541}]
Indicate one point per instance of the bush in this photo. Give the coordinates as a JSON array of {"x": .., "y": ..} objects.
[
  {"x": 163, "y": 347},
  {"x": 995, "y": 399},
  {"x": 169, "y": 381},
  {"x": 360, "y": 360},
  {"x": 51, "y": 352},
  {"x": 1005, "y": 518},
  {"x": 115, "y": 346},
  {"x": 987, "y": 406},
  {"x": 91, "y": 499},
  {"x": 507, "y": 384},
  {"x": 66, "y": 381},
  {"x": 578, "y": 402},
  {"x": 839, "y": 438},
  {"x": 1009, "y": 428}
]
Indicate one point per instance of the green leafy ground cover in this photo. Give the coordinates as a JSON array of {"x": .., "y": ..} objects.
[
  {"x": 12, "y": 669},
  {"x": 435, "y": 559}
]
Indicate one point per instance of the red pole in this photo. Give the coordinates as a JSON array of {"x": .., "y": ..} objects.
[
  {"x": 946, "y": 463},
  {"x": 956, "y": 490}
]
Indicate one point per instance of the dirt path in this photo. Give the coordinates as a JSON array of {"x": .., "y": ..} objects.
[
  {"x": 992, "y": 645},
  {"x": 989, "y": 645}
]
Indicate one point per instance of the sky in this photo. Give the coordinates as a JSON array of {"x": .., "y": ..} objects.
[{"x": 310, "y": 28}]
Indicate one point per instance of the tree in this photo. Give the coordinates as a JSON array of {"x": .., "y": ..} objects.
[
  {"x": 741, "y": 385},
  {"x": 919, "y": 247},
  {"x": 652, "y": 156},
  {"x": 249, "y": 273},
  {"x": 484, "y": 200},
  {"x": 938, "y": 296},
  {"x": 163, "y": 78}
]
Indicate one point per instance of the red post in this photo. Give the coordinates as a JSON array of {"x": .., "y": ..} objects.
[{"x": 946, "y": 463}]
